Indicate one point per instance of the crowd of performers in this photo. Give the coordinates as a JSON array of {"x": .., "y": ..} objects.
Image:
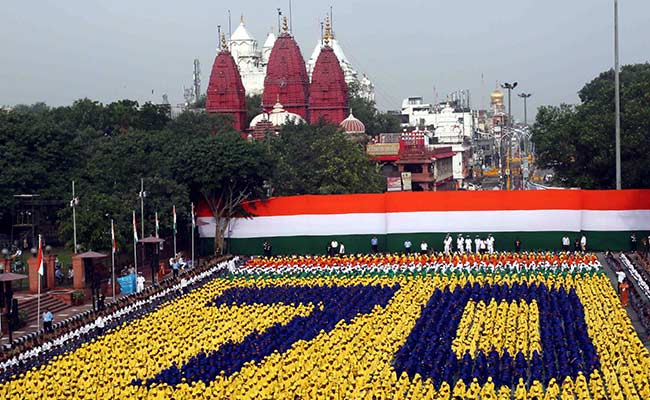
[
  {"x": 511, "y": 262},
  {"x": 441, "y": 326}
]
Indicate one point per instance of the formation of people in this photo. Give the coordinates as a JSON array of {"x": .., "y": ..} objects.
[
  {"x": 502, "y": 262},
  {"x": 531, "y": 325}
]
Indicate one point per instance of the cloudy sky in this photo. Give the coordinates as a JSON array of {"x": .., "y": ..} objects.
[{"x": 59, "y": 51}]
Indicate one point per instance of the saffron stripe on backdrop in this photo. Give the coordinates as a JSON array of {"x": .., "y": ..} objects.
[{"x": 449, "y": 201}]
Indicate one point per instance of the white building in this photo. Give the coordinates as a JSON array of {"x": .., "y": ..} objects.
[
  {"x": 250, "y": 60},
  {"x": 448, "y": 122},
  {"x": 447, "y": 127}
]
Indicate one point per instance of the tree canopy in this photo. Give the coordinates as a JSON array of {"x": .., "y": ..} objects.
[
  {"x": 320, "y": 159},
  {"x": 107, "y": 148},
  {"x": 578, "y": 142},
  {"x": 366, "y": 111}
]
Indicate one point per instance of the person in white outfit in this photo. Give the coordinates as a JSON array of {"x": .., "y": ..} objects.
[
  {"x": 447, "y": 243},
  {"x": 468, "y": 244},
  {"x": 477, "y": 244},
  {"x": 460, "y": 244},
  {"x": 490, "y": 243}
]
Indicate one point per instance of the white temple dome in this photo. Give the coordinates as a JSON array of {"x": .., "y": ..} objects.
[{"x": 278, "y": 117}]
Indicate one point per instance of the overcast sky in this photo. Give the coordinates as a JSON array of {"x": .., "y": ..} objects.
[{"x": 59, "y": 51}]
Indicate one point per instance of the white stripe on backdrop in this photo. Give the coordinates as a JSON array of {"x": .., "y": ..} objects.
[{"x": 436, "y": 221}]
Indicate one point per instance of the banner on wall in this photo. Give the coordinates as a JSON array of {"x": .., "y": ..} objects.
[
  {"x": 406, "y": 182},
  {"x": 393, "y": 184}
]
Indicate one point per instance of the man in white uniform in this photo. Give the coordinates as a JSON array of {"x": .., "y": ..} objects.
[
  {"x": 468, "y": 244},
  {"x": 460, "y": 244}
]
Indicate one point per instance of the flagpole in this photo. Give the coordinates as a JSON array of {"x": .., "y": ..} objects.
[
  {"x": 174, "y": 216},
  {"x": 135, "y": 246},
  {"x": 40, "y": 271},
  {"x": 113, "y": 257},
  {"x": 193, "y": 225}
]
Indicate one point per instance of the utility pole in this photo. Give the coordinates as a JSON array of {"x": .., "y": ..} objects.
[
  {"x": 525, "y": 96},
  {"x": 617, "y": 98}
]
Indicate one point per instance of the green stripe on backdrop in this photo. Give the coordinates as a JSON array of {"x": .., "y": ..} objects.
[{"x": 395, "y": 242}]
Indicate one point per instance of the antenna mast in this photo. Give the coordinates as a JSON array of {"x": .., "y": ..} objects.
[
  {"x": 197, "y": 80},
  {"x": 229, "y": 26}
]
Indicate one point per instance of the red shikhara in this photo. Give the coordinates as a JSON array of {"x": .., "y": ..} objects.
[
  {"x": 328, "y": 95},
  {"x": 226, "y": 94},
  {"x": 286, "y": 79}
]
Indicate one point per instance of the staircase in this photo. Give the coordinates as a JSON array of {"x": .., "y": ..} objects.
[{"x": 47, "y": 302}]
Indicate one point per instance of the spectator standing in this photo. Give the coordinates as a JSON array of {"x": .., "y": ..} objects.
[
  {"x": 644, "y": 248},
  {"x": 566, "y": 243},
  {"x": 633, "y": 242},
  {"x": 490, "y": 243},
  {"x": 175, "y": 267},
  {"x": 374, "y": 244},
  {"x": 620, "y": 277},
  {"x": 407, "y": 246},
  {"x": 100, "y": 323},
  {"x": 139, "y": 282},
  {"x": 267, "y": 248},
  {"x": 468, "y": 244},
  {"x": 447, "y": 243},
  {"x": 341, "y": 249},
  {"x": 517, "y": 245},
  {"x": 47, "y": 321},
  {"x": 334, "y": 247},
  {"x": 424, "y": 248},
  {"x": 583, "y": 243}
]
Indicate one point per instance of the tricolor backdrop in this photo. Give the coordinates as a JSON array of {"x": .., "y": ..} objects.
[{"x": 305, "y": 224}]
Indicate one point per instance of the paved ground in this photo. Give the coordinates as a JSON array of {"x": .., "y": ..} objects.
[{"x": 630, "y": 312}]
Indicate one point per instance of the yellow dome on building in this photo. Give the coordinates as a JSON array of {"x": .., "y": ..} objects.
[{"x": 497, "y": 97}]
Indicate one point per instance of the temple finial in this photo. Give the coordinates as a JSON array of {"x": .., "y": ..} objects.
[
  {"x": 241, "y": 19},
  {"x": 285, "y": 24},
  {"x": 224, "y": 46},
  {"x": 328, "y": 31},
  {"x": 277, "y": 98}
]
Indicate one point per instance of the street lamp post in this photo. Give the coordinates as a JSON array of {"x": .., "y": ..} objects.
[
  {"x": 509, "y": 87},
  {"x": 525, "y": 96}
]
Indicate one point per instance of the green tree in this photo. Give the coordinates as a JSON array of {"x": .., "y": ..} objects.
[
  {"x": 193, "y": 123},
  {"x": 225, "y": 171},
  {"x": 366, "y": 111},
  {"x": 253, "y": 107},
  {"x": 320, "y": 159},
  {"x": 578, "y": 141}
]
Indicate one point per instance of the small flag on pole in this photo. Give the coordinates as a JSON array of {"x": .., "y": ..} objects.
[
  {"x": 39, "y": 260},
  {"x": 157, "y": 224},
  {"x": 135, "y": 229},
  {"x": 113, "y": 241},
  {"x": 174, "y": 212},
  {"x": 193, "y": 218}
]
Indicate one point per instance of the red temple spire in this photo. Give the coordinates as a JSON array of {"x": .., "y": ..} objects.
[
  {"x": 328, "y": 94},
  {"x": 226, "y": 94},
  {"x": 286, "y": 76}
]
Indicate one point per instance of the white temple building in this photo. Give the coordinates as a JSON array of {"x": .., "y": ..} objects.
[{"x": 252, "y": 61}]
